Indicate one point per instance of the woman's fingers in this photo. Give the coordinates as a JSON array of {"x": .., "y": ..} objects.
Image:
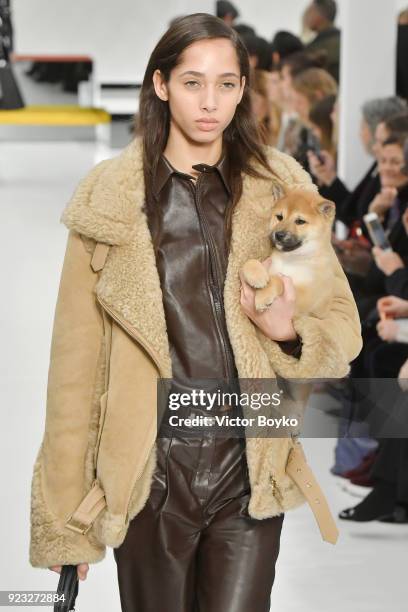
[
  {"x": 82, "y": 570},
  {"x": 289, "y": 293}
]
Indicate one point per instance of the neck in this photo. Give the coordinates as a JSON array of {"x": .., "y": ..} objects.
[
  {"x": 323, "y": 27},
  {"x": 183, "y": 153}
]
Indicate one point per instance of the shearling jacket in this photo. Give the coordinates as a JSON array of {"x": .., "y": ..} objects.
[{"x": 93, "y": 470}]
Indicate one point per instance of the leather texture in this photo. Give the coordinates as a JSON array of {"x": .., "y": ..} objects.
[
  {"x": 195, "y": 526},
  {"x": 193, "y": 547},
  {"x": 191, "y": 256}
]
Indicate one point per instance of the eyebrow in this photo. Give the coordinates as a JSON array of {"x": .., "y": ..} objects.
[{"x": 201, "y": 74}]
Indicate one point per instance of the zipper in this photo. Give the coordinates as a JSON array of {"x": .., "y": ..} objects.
[
  {"x": 135, "y": 334},
  {"x": 276, "y": 492},
  {"x": 217, "y": 304},
  {"x": 132, "y": 331}
]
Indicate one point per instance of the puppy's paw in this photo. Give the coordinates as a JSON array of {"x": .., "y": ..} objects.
[
  {"x": 262, "y": 300},
  {"x": 255, "y": 274},
  {"x": 265, "y": 297}
]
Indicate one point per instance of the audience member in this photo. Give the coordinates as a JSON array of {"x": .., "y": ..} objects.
[
  {"x": 321, "y": 121},
  {"x": 320, "y": 18},
  {"x": 227, "y": 12},
  {"x": 352, "y": 205},
  {"x": 266, "y": 111},
  {"x": 283, "y": 45}
]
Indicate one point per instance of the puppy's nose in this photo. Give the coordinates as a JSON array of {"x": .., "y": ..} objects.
[{"x": 280, "y": 235}]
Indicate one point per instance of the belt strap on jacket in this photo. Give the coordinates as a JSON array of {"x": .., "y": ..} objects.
[
  {"x": 82, "y": 518},
  {"x": 99, "y": 256},
  {"x": 300, "y": 472}
]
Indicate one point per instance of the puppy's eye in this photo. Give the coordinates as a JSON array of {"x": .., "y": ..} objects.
[
  {"x": 279, "y": 217},
  {"x": 300, "y": 221}
]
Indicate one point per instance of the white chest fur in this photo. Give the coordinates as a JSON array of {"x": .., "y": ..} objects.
[{"x": 301, "y": 265}]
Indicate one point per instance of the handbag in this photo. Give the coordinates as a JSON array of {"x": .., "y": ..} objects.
[{"x": 67, "y": 588}]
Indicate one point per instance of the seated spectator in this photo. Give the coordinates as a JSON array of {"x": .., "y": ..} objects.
[
  {"x": 243, "y": 28},
  {"x": 291, "y": 66},
  {"x": 309, "y": 87},
  {"x": 397, "y": 124},
  {"x": 321, "y": 121},
  {"x": 388, "y": 499},
  {"x": 275, "y": 87},
  {"x": 377, "y": 359},
  {"x": 258, "y": 51},
  {"x": 368, "y": 271},
  {"x": 351, "y": 206},
  {"x": 294, "y": 64},
  {"x": 283, "y": 45},
  {"x": 320, "y": 18},
  {"x": 266, "y": 111},
  {"x": 227, "y": 12}
]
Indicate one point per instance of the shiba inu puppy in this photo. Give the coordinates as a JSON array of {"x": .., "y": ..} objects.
[{"x": 300, "y": 233}]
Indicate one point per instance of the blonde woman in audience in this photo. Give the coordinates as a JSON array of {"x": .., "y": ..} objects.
[
  {"x": 266, "y": 110},
  {"x": 309, "y": 87}
]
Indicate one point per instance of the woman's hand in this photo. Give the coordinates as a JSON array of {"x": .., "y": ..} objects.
[
  {"x": 403, "y": 377},
  {"x": 405, "y": 220},
  {"x": 276, "y": 321},
  {"x": 383, "y": 201},
  {"x": 393, "y": 307},
  {"x": 82, "y": 570},
  {"x": 324, "y": 172},
  {"x": 387, "y": 261},
  {"x": 387, "y": 330}
]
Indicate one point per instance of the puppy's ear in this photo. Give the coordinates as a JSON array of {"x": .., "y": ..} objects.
[
  {"x": 327, "y": 208},
  {"x": 279, "y": 190}
]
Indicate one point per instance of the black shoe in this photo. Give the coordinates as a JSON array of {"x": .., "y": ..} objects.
[
  {"x": 398, "y": 516},
  {"x": 379, "y": 503}
]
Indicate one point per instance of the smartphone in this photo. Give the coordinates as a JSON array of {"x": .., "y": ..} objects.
[
  {"x": 313, "y": 145},
  {"x": 376, "y": 231}
]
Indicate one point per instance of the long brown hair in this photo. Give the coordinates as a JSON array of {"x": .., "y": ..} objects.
[{"x": 241, "y": 141}]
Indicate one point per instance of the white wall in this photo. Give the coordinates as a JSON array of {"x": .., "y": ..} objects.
[
  {"x": 269, "y": 16},
  {"x": 367, "y": 71},
  {"x": 119, "y": 35}
]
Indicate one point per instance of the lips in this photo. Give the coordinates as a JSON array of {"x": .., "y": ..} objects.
[
  {"x": 207, "y": 120},
  {"x": 207, "y": 125}
]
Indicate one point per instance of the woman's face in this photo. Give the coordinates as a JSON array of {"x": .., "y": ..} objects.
[
  {"x": 381, "y": 135},
  {"x": 286, "y": 85},
  {"x": 366, "y": 136},
  {"x": 301, "y": 105},
  {"x": 203, "y": 91},
  {"x": 259, "y": 105},
  {"x": 274, "y": 87},
  {"x": 390, "y": 165}
]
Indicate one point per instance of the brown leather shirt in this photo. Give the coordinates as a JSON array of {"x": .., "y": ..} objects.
[{"x": 192, "y": 258}]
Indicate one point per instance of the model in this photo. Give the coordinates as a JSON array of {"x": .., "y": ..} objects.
[{"x": 150, "y": 290}]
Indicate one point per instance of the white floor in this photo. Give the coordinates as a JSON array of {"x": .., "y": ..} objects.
[{"x": 365, "y": 572}]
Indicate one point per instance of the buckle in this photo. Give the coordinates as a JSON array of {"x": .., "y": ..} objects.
[{"x": 77, "y": 526}]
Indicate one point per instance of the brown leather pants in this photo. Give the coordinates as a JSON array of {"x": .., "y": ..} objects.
[{"x": 193, "y": 547}]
